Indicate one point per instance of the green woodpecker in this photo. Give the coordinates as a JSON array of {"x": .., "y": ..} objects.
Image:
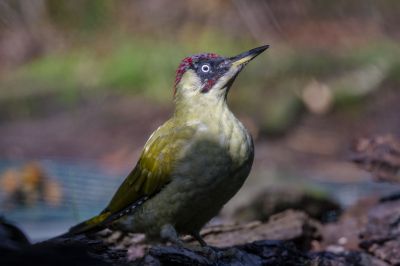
[{"x": 192, "y": 164}]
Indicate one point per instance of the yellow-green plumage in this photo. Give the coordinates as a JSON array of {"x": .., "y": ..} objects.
[{"x": 190, "y": 166}]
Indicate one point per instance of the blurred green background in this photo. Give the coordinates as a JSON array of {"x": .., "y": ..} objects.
[{"x": 84, "y": 83}]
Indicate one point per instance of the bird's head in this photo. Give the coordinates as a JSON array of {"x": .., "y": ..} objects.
[{"x": 207, "y": 77}]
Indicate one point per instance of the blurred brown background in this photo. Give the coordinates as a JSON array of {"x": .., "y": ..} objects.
[{"x": 84, "y": 83}]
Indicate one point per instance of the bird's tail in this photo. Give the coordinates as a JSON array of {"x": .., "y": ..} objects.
[{"x": 93, "y": 224}]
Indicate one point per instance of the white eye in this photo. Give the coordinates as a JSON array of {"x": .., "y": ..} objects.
[{"x": 205, "y": 68}]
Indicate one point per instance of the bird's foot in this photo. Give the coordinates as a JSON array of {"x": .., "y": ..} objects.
[
  {"x": 204, "y": 248},
  {"x": 168, "y": 233}
]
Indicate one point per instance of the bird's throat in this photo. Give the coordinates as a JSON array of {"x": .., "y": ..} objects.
[{"x": 205, "y": 110}]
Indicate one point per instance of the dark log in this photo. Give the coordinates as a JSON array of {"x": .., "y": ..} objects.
[
  {"x": 381, "y": 235},
  {"x": 290, "y": 236}
]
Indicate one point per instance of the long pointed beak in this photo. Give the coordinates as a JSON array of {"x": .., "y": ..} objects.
[{"x": 243, "y": 58}]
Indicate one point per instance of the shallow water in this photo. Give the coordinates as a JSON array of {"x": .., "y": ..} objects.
[{"x": 86, "y": 189}]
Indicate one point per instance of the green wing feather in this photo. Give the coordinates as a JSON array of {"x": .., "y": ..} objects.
[{"x": 151, "y": 173}]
